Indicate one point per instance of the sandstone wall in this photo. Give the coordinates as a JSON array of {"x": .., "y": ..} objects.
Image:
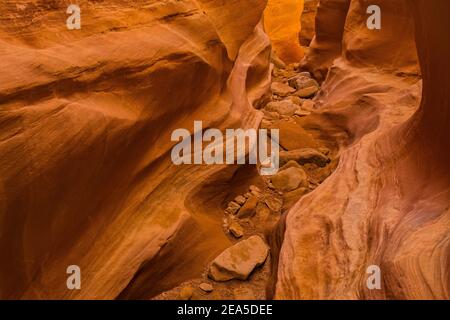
[
  {"x": 85, "y": 123},
  {"x": 387, "y": 203},
  {"x": 308, "y": 22},
  {"x": 327, "y": 43},
  {"x": 282, "y": 20}
]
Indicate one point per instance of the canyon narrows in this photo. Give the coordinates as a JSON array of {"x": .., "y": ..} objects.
[{"x": 88, "y": 179}]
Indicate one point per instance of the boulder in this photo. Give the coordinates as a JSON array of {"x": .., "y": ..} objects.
[
  {"x": 281, "y": 89},
  {"x": 238, "y": 261},
  {"x": 290, "y": 179},
  {"x": 303, "y": 156},
  {"x": 284, "y": 108},
  {"x": 293, "y": 136}
]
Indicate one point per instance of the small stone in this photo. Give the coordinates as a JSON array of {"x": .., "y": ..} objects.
[
  {"x": 240, "y": 200},
  {"x": 254, "y": 188},
  {"x": 247, "y": 195},
  {"x": 248, "y": 210},
  {"x": 284, "y": 108},
  {"x": 233, "y": 208},
  {"x": 307, "y": 92},
  {"x": 206, "y": 287},
  {"x": 235, "y": 229},
  {"x": 186, "y": 293},
  {"x": 290, "y": 179},
  {"x": 281, "y": 89},
  {"x": 239, "y": 261}
]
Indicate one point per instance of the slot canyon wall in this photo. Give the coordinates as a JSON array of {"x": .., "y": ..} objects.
[
  {"x": 86, "y": 118},
  {"x": 282, "y": 22},
  {"x": 388, "y": 202}
]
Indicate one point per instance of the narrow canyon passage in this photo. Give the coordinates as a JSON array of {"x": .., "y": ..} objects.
[{"x": 88, "y": 177}]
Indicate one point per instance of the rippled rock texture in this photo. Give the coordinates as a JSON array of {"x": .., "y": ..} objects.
[
  {"x": 85, "y": 123},
  {"x": 387, "y": 204},
  {"x": 282, "y": 21}
]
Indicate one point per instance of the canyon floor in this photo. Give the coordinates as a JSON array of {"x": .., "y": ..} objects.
[{"x": 257, "y": 206}]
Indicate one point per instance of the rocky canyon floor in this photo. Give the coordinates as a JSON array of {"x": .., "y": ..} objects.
[
  {"x": 88, "y": 181},
  {"x": 255, "y": 205}
]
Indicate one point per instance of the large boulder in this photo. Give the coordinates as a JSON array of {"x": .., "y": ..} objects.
[
  {"x": 293, "y": 136},
  {"x": 238, "y": 261},
  {"x": 290, "y": 179}
]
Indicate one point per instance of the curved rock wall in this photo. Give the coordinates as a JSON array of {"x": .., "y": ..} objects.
[
  {"x": 282, "y": 21},
  {"x": 327, "y": 42},
  {"x": 387, "y": 203},
  {"x": 85, "y": 123}
]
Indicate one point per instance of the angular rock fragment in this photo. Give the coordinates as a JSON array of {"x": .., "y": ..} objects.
[
  {"x": 238, "y": 261},
  {"x": 293, "y": 136},
  {"x": 240, "y": 200},
  {"x": 304, "y": 156},
  {"x": 235, "y": 229},
  {"x": 232, "y": 208}
]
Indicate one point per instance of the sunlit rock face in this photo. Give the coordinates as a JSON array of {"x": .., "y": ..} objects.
[
  {"x": 85, "y": 125},
  {"x": 308, "y": 22},
  {"x": 387, "y": 204},
  {"x": 327, "y": 42},
  {"x": 282, "y": 20}
]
